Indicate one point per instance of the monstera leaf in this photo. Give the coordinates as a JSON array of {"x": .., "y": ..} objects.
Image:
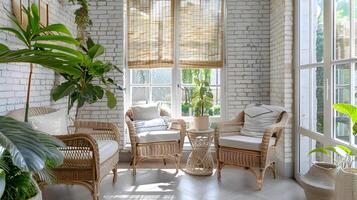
[{"x": 29, "y": 149}]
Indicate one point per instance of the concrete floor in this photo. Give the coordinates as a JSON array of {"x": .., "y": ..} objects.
[{"x": 152, "y": 183}]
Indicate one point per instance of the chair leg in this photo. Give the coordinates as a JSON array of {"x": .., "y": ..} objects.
[
  {"x": 115, "y": 173},
  {"x": 177, "y": 162},
  {"x": 134, "y": 162},
  {"x": 219, "y": 169},
  {"x": 260, "y": 178},
  {"x": 95, "y": 193},
  {"x": 273, "y": 168},
  {"x": 164, "y": 161}
]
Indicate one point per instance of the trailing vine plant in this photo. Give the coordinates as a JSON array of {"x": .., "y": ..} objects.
[{"x": 82, "y": 18}]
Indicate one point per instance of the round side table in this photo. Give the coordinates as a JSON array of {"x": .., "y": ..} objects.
[{"x": 200, "y": 161}]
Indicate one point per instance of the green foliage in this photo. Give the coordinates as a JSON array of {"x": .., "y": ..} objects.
[
  {"x": 32, "y": 37},
  {"x": 345, "y": 155},
  {"x": 92, "y": 83},
  {"x": 349, "y": 110},
  {"x": 202, "y": 97},
  {"x": 2, "y": 181},
  {"x": 25, "y": 151},
  {"x": 82, "y": 18},
  {"x": 19, "y": 184}
]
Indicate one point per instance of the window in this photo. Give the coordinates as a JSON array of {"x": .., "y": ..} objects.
[
  {"x": 326, "y": 75},
  {"x": 169, "y": 44}
]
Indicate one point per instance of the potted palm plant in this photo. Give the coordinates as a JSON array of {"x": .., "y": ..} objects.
[
  {"x": 202, "y": 102},
  {"x": 25, "y": 152}
]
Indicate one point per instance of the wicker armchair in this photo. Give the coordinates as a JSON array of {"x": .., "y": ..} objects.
[
  {"x": 156, "y": 150},
  {"x": 257, "y": 160},
  {"x": 82, "y": 162}
]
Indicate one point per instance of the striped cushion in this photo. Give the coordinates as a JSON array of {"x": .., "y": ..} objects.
[
  {"x": 259, "y": 117},
  {"x": 158, "y": 124}
]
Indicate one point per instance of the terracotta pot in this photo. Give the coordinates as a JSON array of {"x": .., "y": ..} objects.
[
  {"x": 201, "y": 123},
  {"x": 346, "y": 184},
  {"x": 319, "y": 181}
]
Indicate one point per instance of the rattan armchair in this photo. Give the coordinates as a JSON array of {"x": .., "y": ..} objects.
[
  {"x": 156, "y": 150},
  {"x": 82, "y": 163},
  {"x": 257, "y": 161}
]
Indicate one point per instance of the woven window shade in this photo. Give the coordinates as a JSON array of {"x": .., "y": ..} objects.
[
  {"x": 150, "y": 33},
  {"x": 201, "y": 34}
]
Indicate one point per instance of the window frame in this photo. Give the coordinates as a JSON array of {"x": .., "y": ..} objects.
[
  {"x": 328, "y": 64},
  {"x": 176, "y": 92}
]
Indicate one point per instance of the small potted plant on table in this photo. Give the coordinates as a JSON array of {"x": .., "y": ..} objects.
[{"x": 202, "y": 102}]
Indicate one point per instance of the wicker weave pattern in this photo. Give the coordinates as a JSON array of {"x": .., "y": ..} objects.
[
  {"x": 156, "y": 150},
  {"x": 81, "y": 156},
  {"x": 256, "y": 161}
]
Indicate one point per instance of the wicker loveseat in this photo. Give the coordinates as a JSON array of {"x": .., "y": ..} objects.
[
  {"x": 92, "y": 151},
  {"x": 254, "y": 154},
  {"x": 170, "y": 149}
]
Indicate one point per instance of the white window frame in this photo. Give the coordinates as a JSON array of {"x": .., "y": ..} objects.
[
  {"x": 328, "y": 138},
  {"x": 176, "y": 93}
]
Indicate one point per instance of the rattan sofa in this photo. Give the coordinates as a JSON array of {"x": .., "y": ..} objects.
[
  {"x": 156, "y": 150},
  {"x": 82, "y": 162},
  {"x": 257, "y": 160}
]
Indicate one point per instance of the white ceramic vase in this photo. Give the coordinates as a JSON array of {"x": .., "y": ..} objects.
[
  {"x": 319, "y": 181},
  {"x": 201, "y": 123},
  {"x": 346, "y": 184}
]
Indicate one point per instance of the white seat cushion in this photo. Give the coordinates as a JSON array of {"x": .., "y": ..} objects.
[
  {"x": 158, "y": 136},
  {"x": 106, "y": 149},
  {"x": 243, "y": 142}
]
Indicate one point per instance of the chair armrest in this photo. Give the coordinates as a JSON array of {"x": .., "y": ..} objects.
[
  {"x": 131, "y": 130},
  {"x": 179, "y": 124},
  {"x": 81, "y": 151},
  {"x": 222, "y": 128},
  {"x": 99, "y": 130}
]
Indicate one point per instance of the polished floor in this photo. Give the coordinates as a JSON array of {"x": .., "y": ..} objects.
[{"x": 163, "y": 184}]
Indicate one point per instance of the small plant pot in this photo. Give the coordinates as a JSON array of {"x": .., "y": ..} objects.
[
  {"x": 201, "y": 123},
  {"x": 346, "y": 184},
  {"x": 319, "y": 181}
]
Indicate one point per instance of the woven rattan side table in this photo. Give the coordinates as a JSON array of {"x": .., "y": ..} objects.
[{"x": 200, "y": 161}]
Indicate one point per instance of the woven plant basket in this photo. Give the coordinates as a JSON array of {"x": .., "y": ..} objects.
[{"x": 346, "y": 184}]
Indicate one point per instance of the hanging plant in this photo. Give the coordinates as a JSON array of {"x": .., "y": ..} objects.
[{"x": 82, "y": 18}]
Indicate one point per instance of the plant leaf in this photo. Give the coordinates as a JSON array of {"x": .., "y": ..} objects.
[
  {"x": 62, "y": 90},
  {"x": 29, "y": 149},
  {"x": 347, "y": 109},
  {"x": 345, "y": 149},
  {"x": 58, "y": 38},
  {"x": 96, "y": 51},
  {"x": 2, "y": 182},
  {"x": 60, "y": 28},
  {"x": 319, "y": 150},
  {"x": 19, "y": 35},
  {"x": 112, "y": 101}
]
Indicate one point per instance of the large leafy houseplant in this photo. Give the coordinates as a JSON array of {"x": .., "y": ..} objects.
[
  {"x": 24, "y": 151},
  {"x": 92, "y": 83},
  {"x": 32, "y": 36},
  {"x": 202, "y": 102}
]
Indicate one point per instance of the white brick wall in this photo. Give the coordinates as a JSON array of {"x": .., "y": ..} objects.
[
  {"x": 281, "y": 70},
  {"x": 247, "y": 51},
  {"x": 107, "y": 30},
  {"x": 13, "y": 77}
]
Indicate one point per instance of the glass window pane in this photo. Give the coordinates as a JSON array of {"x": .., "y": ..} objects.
[
  {"x": 161, "y": 94},
  {"x": 186, "y": 106},
  {"x": 188, "y": 75},
  {"x": 306, "y": 145},
  {"x": 304, "y": 31},
  {"x": 342, "y": 27},
  {"x": 304, "y": 98},
  {"x": 213, "y": 80},
  {"x": 342, "y": 95},
  {"x": 317, "y": 30},
  {"x": 140, "y": 95},
  {"x": 140, "y": 76},
  {"x": 318, "y": 100},
  {"x": 161, "y": 76}
]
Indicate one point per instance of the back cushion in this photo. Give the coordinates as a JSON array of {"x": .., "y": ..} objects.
[
  {"x": 259, "y": 117},
  {"x": 54, "y": 123},
  {"x": 158, "y": 124},
  {"x": 146, "y": 112}
]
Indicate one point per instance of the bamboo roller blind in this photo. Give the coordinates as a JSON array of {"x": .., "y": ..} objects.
[{"x": 151, "y": 28}]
